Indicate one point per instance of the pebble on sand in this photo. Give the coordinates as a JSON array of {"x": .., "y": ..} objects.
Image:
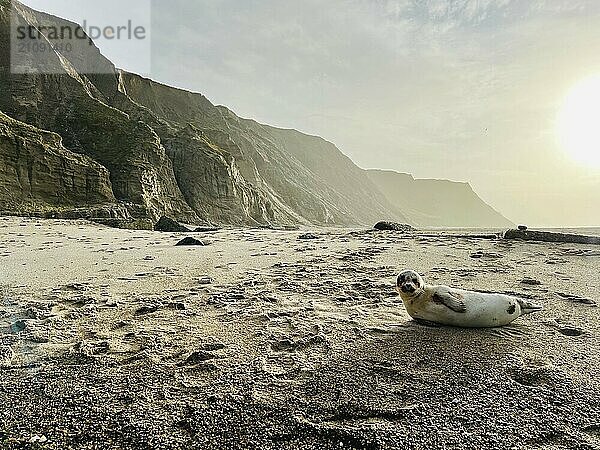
[{"x": 17, "y": 327}]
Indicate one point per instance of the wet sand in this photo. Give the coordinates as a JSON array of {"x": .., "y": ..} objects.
[{"x": 115, "y": 339}]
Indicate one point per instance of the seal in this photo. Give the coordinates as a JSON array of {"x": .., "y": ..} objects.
[{"x": 457, "y": 307}]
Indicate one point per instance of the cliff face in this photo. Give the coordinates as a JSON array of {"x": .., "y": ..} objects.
[
  {"x": 437, "y": 203},
  {"x": 54, "y": 96},
  {"x": 149, "y": 150},
  {"x": 38, "y": 175},
  {"x": 171, "y": 152},
  {"x": 295, "y": 177},
  {"x": 209, "y": 175}
]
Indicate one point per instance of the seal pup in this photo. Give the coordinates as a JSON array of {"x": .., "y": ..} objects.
[{"x": 457, "y": 307}]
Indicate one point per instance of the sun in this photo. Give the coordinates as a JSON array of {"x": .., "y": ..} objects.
[{"x": 579, "y": 122}]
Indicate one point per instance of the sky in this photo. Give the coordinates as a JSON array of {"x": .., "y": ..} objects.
[{"x": 466, "y": 90}]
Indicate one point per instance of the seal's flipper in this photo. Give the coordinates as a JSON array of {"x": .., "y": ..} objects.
[
  {"x": 528, "y": 307},
  {"x": 427, "y": 323},
  {"x": 452, "y": 301}
]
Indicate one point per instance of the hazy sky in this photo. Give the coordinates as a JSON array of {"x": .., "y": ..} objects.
[{"x": 467, "y": 90}]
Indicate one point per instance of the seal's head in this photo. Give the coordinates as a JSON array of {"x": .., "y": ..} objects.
[{"x": 409, "y": 283}]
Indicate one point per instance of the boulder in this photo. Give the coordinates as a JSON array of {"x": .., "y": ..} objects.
[
  {"x": 39, "y": 176},
  {"x": 171, "y": 226},
  {"x": 393, "y": 226},
  {"x": 190, "y": 241}
]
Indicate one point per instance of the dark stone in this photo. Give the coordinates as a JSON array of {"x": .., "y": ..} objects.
[
  {"x": 393, "y": 226},
  {"x": 212, "y": 346},
  {"x": 531, "y": 282},
  {"x": 197, "y": 358},
  {"x": 17, "y": 327},
  {"x": 190, "y": 241},
  {"x": 283, "y": 345},
  {"x": 177, "y": 306},
  {"x": 146, "y": 309},
  {"x": 523, "y": 227},
  {"x": 571, "y": 331},
  {"x": 169, "y": 225},
  {"x": 307, "y": 236}
]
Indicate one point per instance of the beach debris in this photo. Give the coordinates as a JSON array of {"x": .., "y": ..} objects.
[
  {"x": 570, "y": 331},
  {"x": 530, "y": 281},
  {"x": 566, "y": 329},
  {"x": 393, "y": 226},
  {"x": 166, "y": 224},
  {"x": 547, "y": 236},
  {"x": 577, "y": 299},
  {"x": 481, "y": 254},
  {"x": 307, "y": 236},
  {"x": 190, "y": 241}
]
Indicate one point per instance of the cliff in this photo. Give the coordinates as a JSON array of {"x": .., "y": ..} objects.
[
  {"x": 302, "y": 178},
  {"x": 150, "y": 150},
  {"x": 39, "y": 175},
  {"x": 54, "y": 96},
  {"x": 437, "y": 203}
]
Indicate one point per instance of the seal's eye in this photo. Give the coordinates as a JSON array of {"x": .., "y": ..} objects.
[{"x": 400, "y": 280}]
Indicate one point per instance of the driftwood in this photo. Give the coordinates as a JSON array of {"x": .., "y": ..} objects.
[{"x": 546, "y": 236}]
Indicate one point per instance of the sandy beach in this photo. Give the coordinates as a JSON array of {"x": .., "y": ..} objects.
[{"x": 117, "y": 339}]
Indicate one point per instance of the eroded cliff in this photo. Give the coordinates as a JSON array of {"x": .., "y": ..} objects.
[
  {"x": 151, "y": 150},
  {"x": 38, "y": 175}
]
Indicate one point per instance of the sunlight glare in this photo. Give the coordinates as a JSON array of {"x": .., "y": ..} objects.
[{"x": 579, "y": 122}]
